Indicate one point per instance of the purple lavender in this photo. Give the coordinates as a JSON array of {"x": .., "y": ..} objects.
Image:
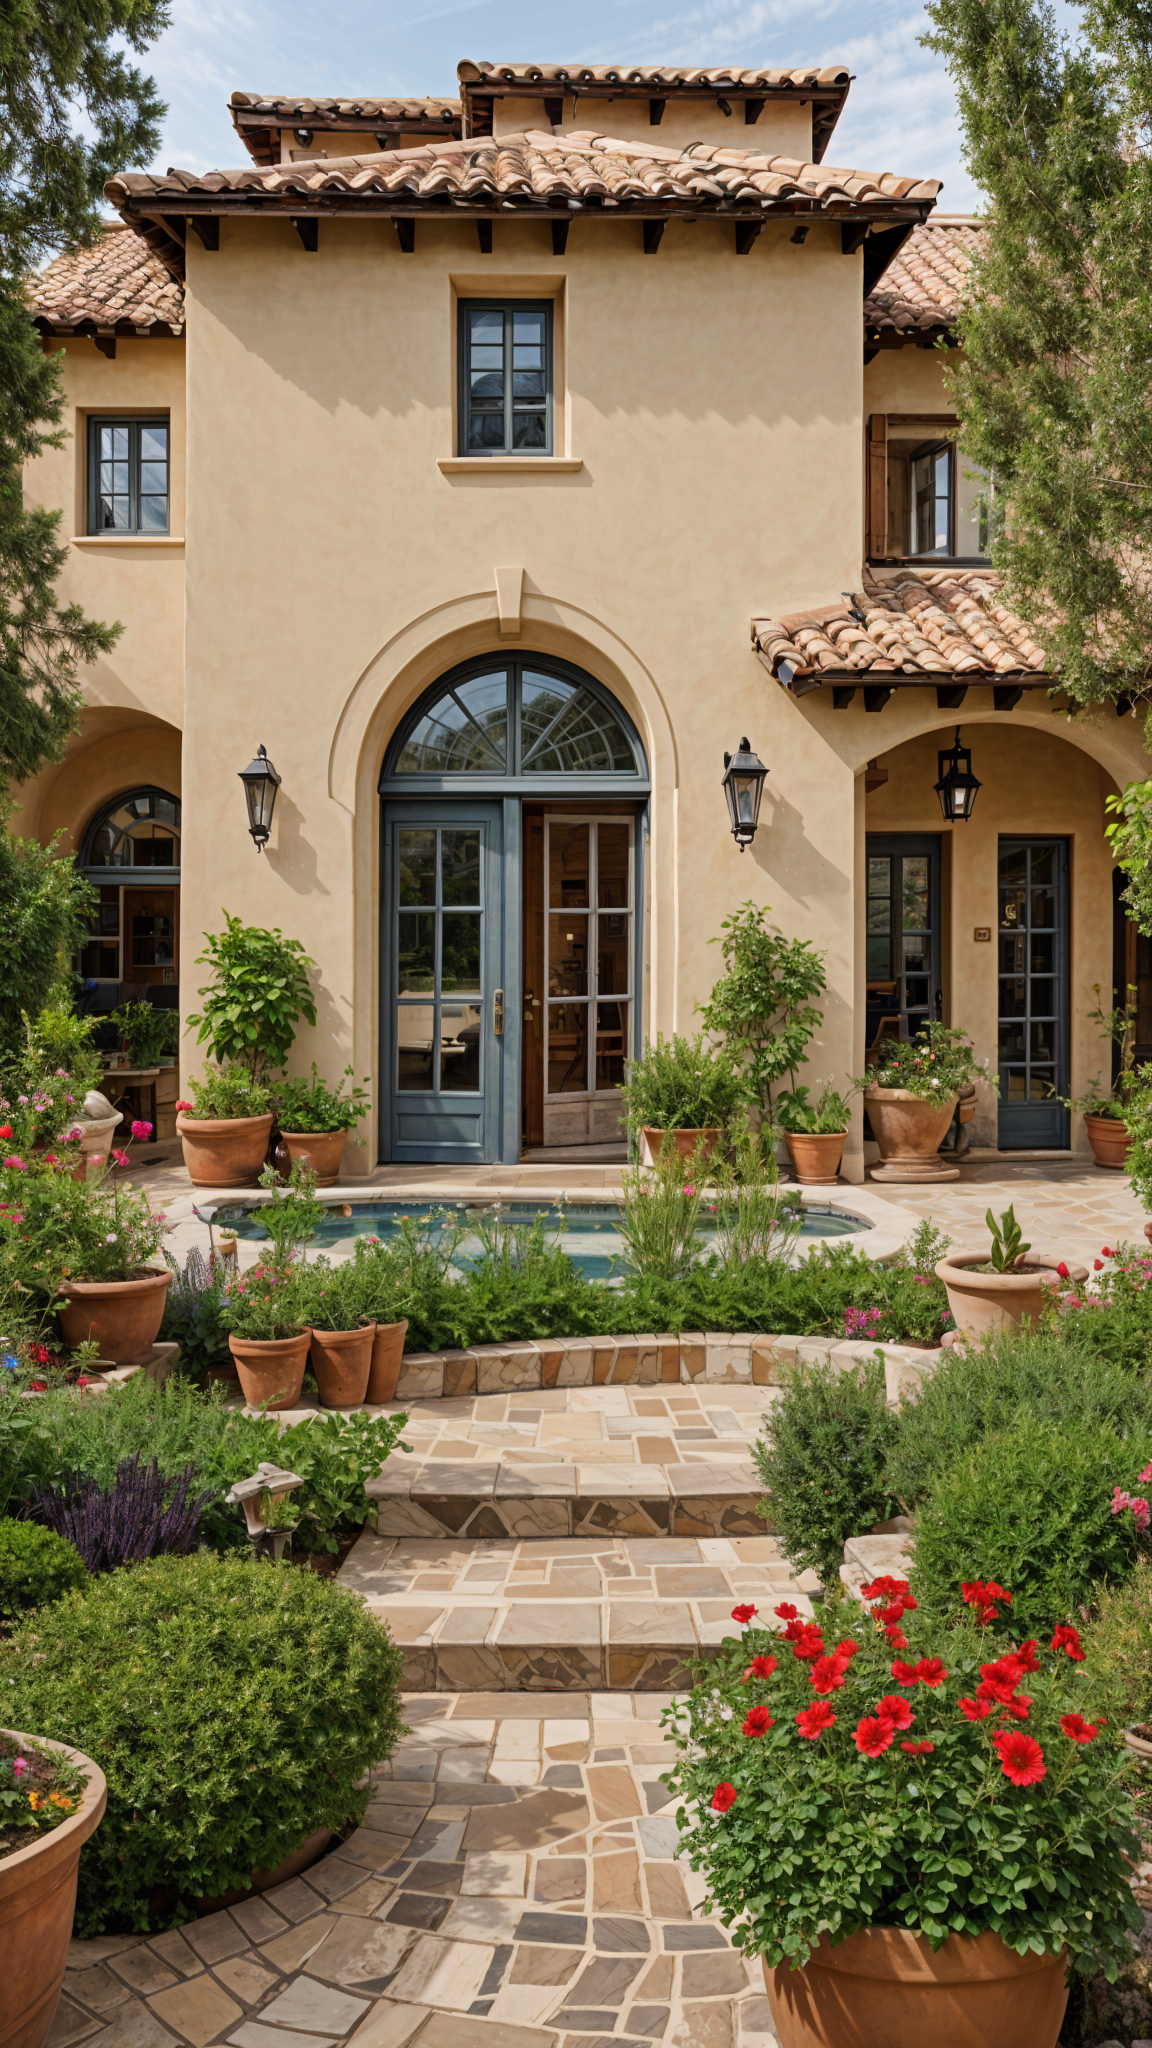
[{"x": 142, "y": 1514}]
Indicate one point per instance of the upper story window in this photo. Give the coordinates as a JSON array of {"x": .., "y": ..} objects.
[
  {"x": 128, "y": 469},
  {"x": 926, "y": 498},
  {"x": 505, "y": 377}
]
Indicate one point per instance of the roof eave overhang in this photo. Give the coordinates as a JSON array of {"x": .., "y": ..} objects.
[{"x": 140, "y": 208}]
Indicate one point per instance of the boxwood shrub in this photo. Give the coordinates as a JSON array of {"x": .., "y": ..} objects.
[
  {"x": 36, "y": 1566},
  {"x": 822, "y": 1456},
  {"x": 233, "y": 1706}
]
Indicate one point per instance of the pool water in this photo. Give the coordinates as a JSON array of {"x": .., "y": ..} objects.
[{"x": 589, "y": 1231}]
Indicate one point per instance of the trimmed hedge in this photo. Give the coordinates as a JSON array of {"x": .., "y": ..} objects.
[{"x": 36, "y": 1567}]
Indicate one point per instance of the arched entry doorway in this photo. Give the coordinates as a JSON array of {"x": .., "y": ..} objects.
[
  {"x": 513, "y": 804},
  {"x": 131, "y": 852}
]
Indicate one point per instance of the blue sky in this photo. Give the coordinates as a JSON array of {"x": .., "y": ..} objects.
[{"x": 900, "y": 115}]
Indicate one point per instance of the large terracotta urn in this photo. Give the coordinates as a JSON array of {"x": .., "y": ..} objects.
[
  {"x": 321, "y": 1150},
  {"x": 983, "y": 1304},
  {"x": 123, "y": 1316},
  {"x": 908, "y": 1129},
  {"x": 37, "y": 1903},
  {"x": 1109, "y": 1139},
  {"x": 885, "y": 1987},
  {"x": 224, "y": 1151}
]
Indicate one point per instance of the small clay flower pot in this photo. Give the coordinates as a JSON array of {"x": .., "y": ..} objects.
[
  {"x": 341, "y": 1361},
  {"x": 124, "y": 1316},
  {"x": 271, "y": 1369},
  {"x": 387, "y": 1358},
  {"x": 1109, "y": 1139},
  {"x": 321, "y": 1150},
  {"x": 226, "y": 1151},
  {"x": 815, "y": 1155}
]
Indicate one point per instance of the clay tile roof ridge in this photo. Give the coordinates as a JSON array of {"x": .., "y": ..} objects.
[{"x": 484, "y": 72}]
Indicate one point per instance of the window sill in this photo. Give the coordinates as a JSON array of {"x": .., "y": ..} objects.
[
  {"x": 510, "y": 465},
  {"x": 127, "y": 540}
]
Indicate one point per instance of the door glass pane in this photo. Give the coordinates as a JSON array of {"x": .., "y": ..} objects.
[
  {"x": 460, "y": 867},
  {"x": 1043, "y": 906},
  {"x": 1011, "y": 1041},
  {"x": 414, "y": 1027},
  {"x": 917, "y": 951},
  {"x": 567, "y": 1049},
  {"x": 1042, "y": 952},
  {"x": 567, "y": 866},
  {"x": 1042, "y": 1041},
  {"x": 611, "y": 1043},
  {"x": 567, "y": 956},
  {"x": 1013, "y": 1085},
  {"x": 1043, "y": 1088},
  {"x": 1012, "y": 904},
  {"x": 1043, "y": 996},
  {"x": 416, "y": 951},
  {"x": 879, "y": 957},
  {"x": 916, "y": 992},
  {"x": 1012, "y": 998},
  {"x": 879, "y": 874},
  {"x": 460, "y": 946},
  {"x": 417, "y": 866},
  {"x": 1013, "y": 955},
  {"x": 613, "y": 867},
  {"x": 613, "y": 951},
  {"x": 465, "y": 731},
  {"x": 460, "y": 1047},
  {"x": 879, "y": 915}
]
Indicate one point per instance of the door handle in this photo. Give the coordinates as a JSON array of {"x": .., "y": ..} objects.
[{"x": 498, "y": 1013}]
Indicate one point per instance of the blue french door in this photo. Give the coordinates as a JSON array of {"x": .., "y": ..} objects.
[
  {"x": 443, "y": 997},
  {"x": 1032, "y": 939}
]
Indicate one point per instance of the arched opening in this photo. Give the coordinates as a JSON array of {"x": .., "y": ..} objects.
[
  {"x": 514, "y": 797},
  {"x": 130, "y": 852}
]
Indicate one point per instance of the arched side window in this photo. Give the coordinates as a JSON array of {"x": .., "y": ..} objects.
[
  {"x": 138, "y": 829},
  {"x": 523, "y": 722}
]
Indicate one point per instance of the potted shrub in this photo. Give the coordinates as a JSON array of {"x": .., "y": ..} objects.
[
  {"x": 910, "y": 1097},
  {"x": 763, "y": 1006},
  {"x": 1005, "y": 1286},
  {"x": 224, "y": 1129},
  {"x": 814, "y": 1132},
  {"x": 342, "y": 1338},
  {"x": 374, "y": 1283},
  {"x": 683, "y": 1089},
  {"x": 267, "y": 1334},
  {"x": 1104, "y": 1109},
  {"x": 922, "y": 1825},
  {"x": 315, "y": 1120},
  {"x": 86, "y": 1248},
  {"x": 52, "y": 1799}
]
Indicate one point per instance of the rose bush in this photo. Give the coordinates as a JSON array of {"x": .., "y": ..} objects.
[
  {"x": 879, "y": 1769},
  {"x": 939, "y": 1061}
]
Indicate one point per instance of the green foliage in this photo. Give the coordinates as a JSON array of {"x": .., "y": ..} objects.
[
  {"x": 292, "y": 1214},
  {"x": 194, "y": 1313},
  {"x": 300, "y": 1107},
  {"x": 1116, "y": 1319},
  {"x": 1118, "y": 1026},
  {"x": 44, "y": 899},
  {"x": 334, "y": 1455},
  {"x": 1130, "y": 833},
  {"x": 794, "y": 1110},
  {"x": 56, "y": 1039},
  {"x": 145, "y": 1031},
  {"x": 819, "y": 1836},
  {"x": 229, "y": 1092},
  {"x": 682, "y": 1084},
  {"x": 755, "y": 1218},
  {"x": 1032, "y": 1508},
  {"x": 265, "y": 1303},
  {"x": 660, "y": 1213},
  {"x": 1138, "y": 1117},
  {"x": 1118, "y": 1640},
  {"x": 935, "y": 1064},
  {"x": 36, "y": 1566},
  {"x": 823, "y": 1454},
  {"x": 1007, "y": 1241},
  {"x": 234, "y": 1707},
  {"x": 53, "y": 1227},
  {"x": 763, "y": 1006},
  {"x": 258, "y": 993}
]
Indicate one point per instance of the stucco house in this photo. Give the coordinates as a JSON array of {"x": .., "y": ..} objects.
[{"x": 498, "y": 463}]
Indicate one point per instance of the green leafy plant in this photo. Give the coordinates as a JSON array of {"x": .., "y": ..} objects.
[
  {"x": 1008, "y": 1246},
  {"x": 660, "y": 1213},
  {"x": 830, "y": 1785},
  {"x": 794, "y": 1110},
  {"x": 292, "y": 1214},
  {"x": 1118, "y": 1639},
  {"x": 194, "y": 1311},
  {"x": 57, "y": 1043},
  {"x": 755, "y": 1218},
  {"x": 937, "y": 1063},
  {"x": 300, "y": 1107},
  {"x": 54, "y": 1228},
  {"x": 763, "y": 1007},
  {"x": 334, "y": 1455},
  {"x": 257, "y": 995},
  {"x": 682, "y": 1084},
  {"x": 227, "y": 1092},
  {"x": 238, "y": 1705},
  {"x": 145, "y": 1031},
  {"x": 1118, "y": 1025},
  {"x": 823, "y": 1455},
  {"x": 45, "y": 905},
  {"x": 36, "y": 1566},
  {"x": 264, "y": 1303}
]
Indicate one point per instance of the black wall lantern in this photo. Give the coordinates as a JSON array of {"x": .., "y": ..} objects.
[
  {"x": 744, "y": 777},
  {"x": 957, "y": 786},
  {"x": 260, "y": 785}
]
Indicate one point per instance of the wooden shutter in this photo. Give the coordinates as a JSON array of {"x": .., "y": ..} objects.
[{"x": 876, "y": 486}]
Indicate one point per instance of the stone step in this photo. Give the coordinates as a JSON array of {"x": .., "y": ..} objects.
[{"x": 598, "y": 1614}]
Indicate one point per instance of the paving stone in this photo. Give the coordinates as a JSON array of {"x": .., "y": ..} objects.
[
  {"x": 356, "y": 1952},
  {"x": 257, "y": 1919},
  {"x": 316, "y": 2008},
  {"x": 174, "y": 1950},
  {"x": 703, "y": 2026},
  {"x": 289, "y": 1951},
  {"x": 650, "y": 2022},
  {"x": 416, "y": 1909},
  {"x": 613, "y": 1793},
  {"x": 560, "y": 1878},
  {"x": 531, "y": 1823},
  {"x": 253, "y": 2035},
  {"x": 98, "y": 1987},
  {"x": 199, "y": 2009},
  {"x": 621, "y": 1935},
  {"x": 483, "y": 1919},
  {"x": 667, "y": 1899},
  {"x": 755, "y": 2017},
  {"x": 247, "y": 1979},
  {"x": 712, "y": 1976},
  {"x": 142, "y": 1971},
  {"x": 69, "y": 2024},
  {"x": 699, "y": 1935},
  {"x": 496, "y": 1876},
  {"x": 532, "y": 1965},
  {"x": 616, "y": 1883},
  {"x": 215, "y": 1937},
  {"x": 443, "y": 2031},
  {"x": 605, "y": 1980},
  {"x": 567, "y": 1928},
  {"x": 133, "y": 2027},
  {"x": 389, "y": 2025},
  {"x": 657, "y": 1979},
  {"x": 297, "y": 1901},
  {"x": 442, "y": 1973}
]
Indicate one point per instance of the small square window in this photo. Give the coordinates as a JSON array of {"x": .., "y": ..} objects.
[
  {"x": 505, "y": 378},
  {"x": 128, "y": 475}
]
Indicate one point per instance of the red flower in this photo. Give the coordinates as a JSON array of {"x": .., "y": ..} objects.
[
  {"x": 184, "y": 1108},
  {"x": 5, "y": 1130},
  {"x": 905, "y": 1674},
  {"x": 894, "y": 1707},
  {"x": 812, "y": 1721},
  {"x": 994, "y": 1592},
  {"x": 897, "y": 1639},
  {"x": 723, "y": 1797},
  {"x": 760, "y": 1667},
  {"x": 976, "y": 1710},
  {"x": 918, "y": 1748},
  {"x": 1021, "y": 1758},
  {"x": 1106, "y": 1251},
  {"x": 1062, "y": 1270},
  {"x": 846, "y": 1650},
  {"x": 1068, "y": 1638},
  {"x": 758, "y": 1721},
  {"x": 874, "y": 1734},
  {"x": 809, "y": 1645},
  {"x": 827, "y": 1674},
  {"x": 1026, "y": 1656},
  {"x": 1077, "y": 1729},
  {"x": 786, "y": 1611},
  {"x": 974, "y": 1593},
  {"x": 930, "y": 1671},
  {"x": 1097, "y": 1265},
  {"x": 743, "y": 1614},
  {"x": 886, "y": 1588},
  {"x": 1005, "y": 1671}
]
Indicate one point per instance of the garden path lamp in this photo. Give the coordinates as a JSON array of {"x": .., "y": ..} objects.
[
  {"x": 744, "y": 777},
  {"x": 260, "y": 785},
  {"x": 268, "y": 1523},
  {"x": 957, "y": 786}
]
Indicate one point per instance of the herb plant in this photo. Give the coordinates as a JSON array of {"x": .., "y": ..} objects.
[
  {"x": 660, "y": 1214},
  {"x": 142, "y": 1514},
  {"x": 264, "y": 1304},
  {"x": 39, "y": 1789},
  {"x": 292, "y": 1214},
  {"x": 682, "y": 1084},
  {"x": 194, "y": 1312},
  {"x": 145, "y": 1031},
  {"x": 36, "y": 1566},
  {"x": 226, "y": 1092},
  {"x": 319, "y": 1108},
  {"x": 794, "y": 1110},
  {"x": 1008, "y": 1246},
  {"x": 257, "y": 995}
]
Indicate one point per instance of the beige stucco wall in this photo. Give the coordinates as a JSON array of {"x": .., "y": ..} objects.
[
  {"x": 783, "y": 129},
  {"x": 112, "y": 751}
]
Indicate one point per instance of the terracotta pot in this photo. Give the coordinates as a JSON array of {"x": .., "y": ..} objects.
[
  {"x": 124, "y": 1316},
  {"x": 226, "y": 1151},
  {"x": 310, "y": 1851},
  {"x": 37, "y": 1902},
  {"x": 908, "y": 1130},
  {"x": 1138, "y": 1744},
  {"x": 387, "y": 1356},
  {"x": 884, "y": 1988},
  {"x": 685, "y": 1142},
  {"x": 1109, "y": 1139},
  {"x": 341, "y": 1361},
  {"x": 815, "y": 1155},
  {"x": 271, "y": 1369},
  {"x": 321, "y": 1150},
  {"x": 983, "y": 1304}
]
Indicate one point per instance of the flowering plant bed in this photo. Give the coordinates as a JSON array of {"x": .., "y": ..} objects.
[
  {"x": 937, "y": 1062},
  {"x": 39, "y": 1789},
  {"x": 881, "y": 1770}
]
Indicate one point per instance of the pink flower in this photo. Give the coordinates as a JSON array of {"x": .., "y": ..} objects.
[
  {"x": 20, "y": 1764},
  {"x": 185, "y": 1108},
  {"x": 1143, "y": 1477},
  {"x": 19, "y": 1165},
  {"x": 141, "y": 1130},
  {"x": 121, "y": 1158}
]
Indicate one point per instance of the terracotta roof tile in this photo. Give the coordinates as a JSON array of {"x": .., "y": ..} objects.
[
  {"x": 922, "y": 290},
  {"x": 649, "y": 78},
  {"x": 296, "y": 107},
  {"x": 903, "y": 623},
  {"x": 119, "y": 282}
]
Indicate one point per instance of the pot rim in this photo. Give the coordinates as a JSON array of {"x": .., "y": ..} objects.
[
  {"x": 682, "y": 1130},
  {"x": 874, "y": 1093},
  {"x": 268, "y": 1344},
  {"x": 1098, "y": 1116},
  {"x": 222, "y": 1123},
  {"x": 82, "y": 1823},
  {"x": 884, "y": 1947},
  {"x": 328, "y": 1336},
  {"x": 140, "y": 1286},
  {"x": 954, "y": 1271},
  {"x": 815, "y": 1137},
  {"x": 341, "y": 1133}
]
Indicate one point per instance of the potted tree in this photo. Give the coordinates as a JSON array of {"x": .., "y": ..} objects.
[
  {"x": 814, "y": 1132},
  {"x": 52, "y": 1798},
  {"x": 1005, "y": 1286},
  {"x": 315, "y": 1120},
  {"x": 910, "y": 1097},
  {"x": 258, "y": 992},
  {"x": 921, "y": 1830},
  {"x": 763, "y": 1006},
  {"x": 1104, "y": 1110},
  {"x": 684, "y": 1090}
]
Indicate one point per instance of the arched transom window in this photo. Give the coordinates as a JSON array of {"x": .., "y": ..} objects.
[
  {"x": 140, "y": 829},
  {"x": 527, "y": 719}
]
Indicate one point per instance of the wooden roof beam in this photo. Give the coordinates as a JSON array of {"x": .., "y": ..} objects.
[
  {"x": 207, "y": 226},
  {"x": 560, "y": 236},
  {"x": 746, "y": 233},
  {"x": 308, "y": 231}
]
